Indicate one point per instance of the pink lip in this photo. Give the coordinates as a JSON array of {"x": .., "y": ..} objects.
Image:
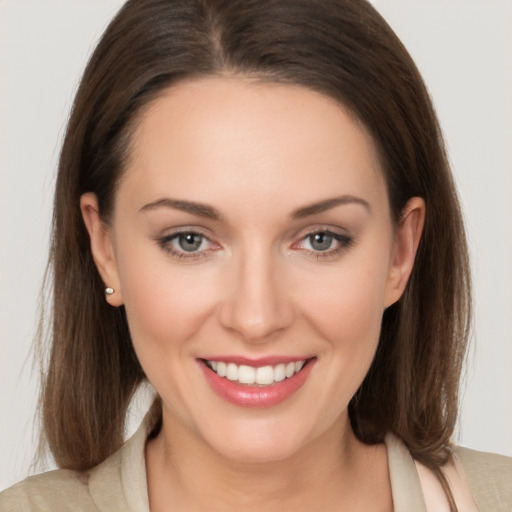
[{"x": 251, "y": 396}]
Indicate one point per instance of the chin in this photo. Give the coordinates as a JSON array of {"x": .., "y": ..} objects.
[
  {"x": 260, "y": 441},
  {"x": 251, "y": 450}
]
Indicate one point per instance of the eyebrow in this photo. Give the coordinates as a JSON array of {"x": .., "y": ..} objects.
[
  {"x": 327, "y": 204},
  {"x": 204, "y": 210},
  {"x": 199, "y": 209}
]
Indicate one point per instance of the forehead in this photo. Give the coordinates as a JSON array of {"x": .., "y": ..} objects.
[{"x": 205, "y": 138}]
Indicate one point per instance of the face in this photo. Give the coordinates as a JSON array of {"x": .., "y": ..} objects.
[{"x": 253, "y": 249}]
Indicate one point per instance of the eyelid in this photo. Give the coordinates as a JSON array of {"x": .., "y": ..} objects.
[{"x": 312, "y": 229}]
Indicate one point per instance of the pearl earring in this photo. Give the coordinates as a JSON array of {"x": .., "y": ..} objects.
[{"x": 109, "y": 291}]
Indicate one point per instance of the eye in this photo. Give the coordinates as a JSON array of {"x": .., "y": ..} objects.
[
  {"x": 187, "y": 245},
  {"x": 324, "y": 243},
  {"x": 189, "y": 242},
  {"x": 321, "y": 241}
]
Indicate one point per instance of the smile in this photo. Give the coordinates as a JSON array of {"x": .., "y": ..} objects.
[
  {"x": 261, "y": 376},
  {"x": 263, "y": 383}
]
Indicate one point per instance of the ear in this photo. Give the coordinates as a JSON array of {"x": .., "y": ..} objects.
[
  {"x": 102, "y": 248},
  {"x": 406, "y": 240}
]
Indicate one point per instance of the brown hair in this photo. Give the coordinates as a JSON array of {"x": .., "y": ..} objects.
[{"x": 341, "y": 48}]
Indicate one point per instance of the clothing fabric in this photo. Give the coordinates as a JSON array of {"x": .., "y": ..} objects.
[{"x": 119, "y": 483}]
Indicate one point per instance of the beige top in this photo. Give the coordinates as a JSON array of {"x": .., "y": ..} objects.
[{"x": 119, "y": 483}]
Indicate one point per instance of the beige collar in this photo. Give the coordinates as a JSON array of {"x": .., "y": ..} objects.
[
  {"x": 416, "y": 488},
  {"x": 123, "y": 474}
]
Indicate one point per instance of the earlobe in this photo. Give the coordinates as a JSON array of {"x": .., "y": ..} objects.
[
  {"x": 407, "y": 238},
  {"x": 102, "y": 248}
]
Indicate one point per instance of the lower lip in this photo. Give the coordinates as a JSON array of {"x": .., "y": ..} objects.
[{"x": 244, "y": 395}]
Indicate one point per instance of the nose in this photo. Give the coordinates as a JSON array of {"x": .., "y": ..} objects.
[{"x": 256, "y": 305}]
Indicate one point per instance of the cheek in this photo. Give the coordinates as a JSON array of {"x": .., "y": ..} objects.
[
  {"x": 346, "y": 311},
  {"x": 165, "y": 304},
  {"x": 349, "y": 302}
]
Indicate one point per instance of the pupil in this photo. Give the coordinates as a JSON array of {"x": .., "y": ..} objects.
[
  {"x": 190, "y": 241},
  {"x": 321, "y": 241}
]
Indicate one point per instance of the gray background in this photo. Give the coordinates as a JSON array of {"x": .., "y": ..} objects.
[{"x": 462, "y": 47}]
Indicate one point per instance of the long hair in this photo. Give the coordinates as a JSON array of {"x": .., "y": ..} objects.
[{"x": 340, "y": 48}]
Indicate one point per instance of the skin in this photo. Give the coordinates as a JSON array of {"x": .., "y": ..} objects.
[{"x": 258, "y": 154}]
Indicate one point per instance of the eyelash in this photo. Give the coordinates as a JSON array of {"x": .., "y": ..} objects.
[{"x": 166, "y": 243}]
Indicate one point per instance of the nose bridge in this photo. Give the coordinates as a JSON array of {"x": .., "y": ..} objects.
[{"x": 257, "y": 305}]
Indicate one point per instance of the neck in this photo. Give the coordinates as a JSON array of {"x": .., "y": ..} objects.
[{"x": 333, "y": 472}]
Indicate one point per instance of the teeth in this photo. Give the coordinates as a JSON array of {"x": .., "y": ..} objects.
[
  {"x": 262, "y": 376},
  {"x": 221, "y": 368},
  {"x": 232, "y": 372},
  {"x": 246, "y": 374},
  {"x": 265, "y": 375},
  {"x": 280, "y": 372}
]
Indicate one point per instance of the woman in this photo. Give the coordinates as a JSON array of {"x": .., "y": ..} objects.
[{"x": 254, "y": 212}]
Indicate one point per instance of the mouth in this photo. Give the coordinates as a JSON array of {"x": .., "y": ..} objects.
[
  {"x": 260, "y": 376},
  {"x": 263, "y": 383}
]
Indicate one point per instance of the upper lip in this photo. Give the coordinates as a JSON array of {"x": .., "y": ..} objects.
[{"x": 257, "y": 362}]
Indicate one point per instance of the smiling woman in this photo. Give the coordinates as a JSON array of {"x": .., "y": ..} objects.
[
  {"x": 255, "y": 214},
  {"x": 220, "y": 294}
]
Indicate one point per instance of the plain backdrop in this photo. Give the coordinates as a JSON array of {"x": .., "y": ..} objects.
[{"x": 462, "y": 47}]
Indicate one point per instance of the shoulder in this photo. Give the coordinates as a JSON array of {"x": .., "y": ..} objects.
[
  {"x": 490, "y": 478},
  {"x": 118, "y": 483},
  {"x": 55, "y": 490}
]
